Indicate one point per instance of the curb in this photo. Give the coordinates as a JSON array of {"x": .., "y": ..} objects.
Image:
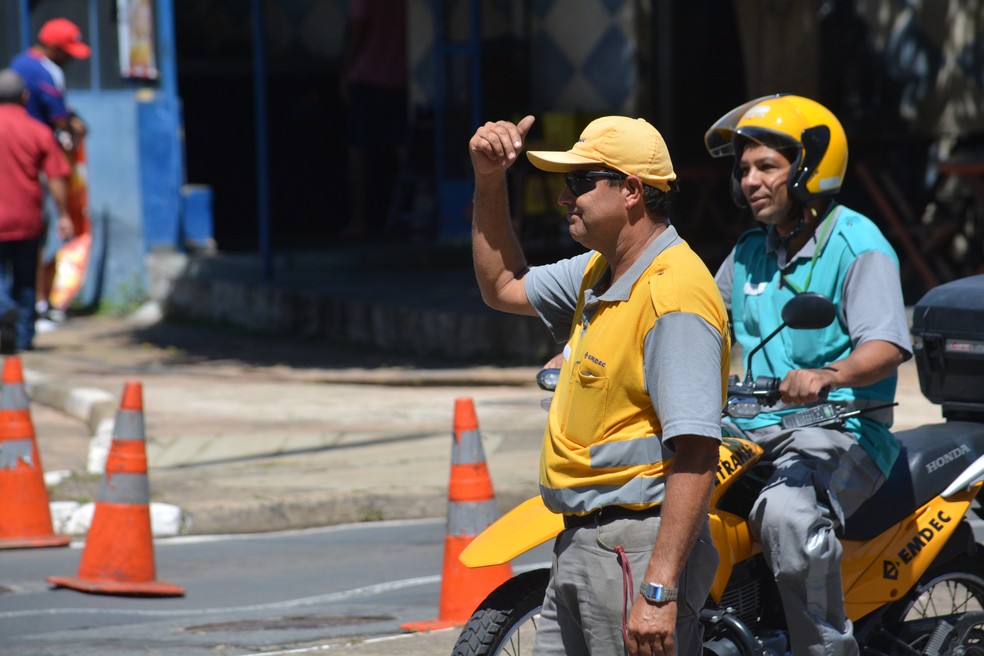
[{"x": 96, "y": 407}]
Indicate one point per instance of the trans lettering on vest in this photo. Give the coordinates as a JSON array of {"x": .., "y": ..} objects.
[{"x": 924, "y": 536}]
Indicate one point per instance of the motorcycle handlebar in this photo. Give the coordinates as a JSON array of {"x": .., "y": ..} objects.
[{"x": 764, "y": 388}]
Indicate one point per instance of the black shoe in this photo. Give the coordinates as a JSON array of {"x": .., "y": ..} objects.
[{"x": 8, "y": 332}]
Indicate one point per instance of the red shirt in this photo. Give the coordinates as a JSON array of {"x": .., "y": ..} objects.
[{"x": 27, "y": 149}]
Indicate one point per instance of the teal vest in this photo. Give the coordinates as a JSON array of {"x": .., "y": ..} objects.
[{"x": 758, "y": 294}]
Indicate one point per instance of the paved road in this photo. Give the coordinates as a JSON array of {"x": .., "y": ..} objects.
[{"x": 333, "y": 586}]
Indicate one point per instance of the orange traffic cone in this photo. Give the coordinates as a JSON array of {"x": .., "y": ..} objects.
[
  {"x": 471, "y": 509},
  {"x": 25, "y": 518},
  {"x": 119, "y": 554}
]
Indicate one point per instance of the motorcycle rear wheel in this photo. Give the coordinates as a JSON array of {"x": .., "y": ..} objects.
[
  {"x": 943, "y": 614},
  {"x": 505, "y": 622}
]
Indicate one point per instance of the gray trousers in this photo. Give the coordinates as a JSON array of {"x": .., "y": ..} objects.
[
  {"x": 582, "y": 610},
  {"x": 822, "y": 476}
]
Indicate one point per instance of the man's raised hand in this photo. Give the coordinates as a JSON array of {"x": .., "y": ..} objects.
[{"x": 495, "y": 146}]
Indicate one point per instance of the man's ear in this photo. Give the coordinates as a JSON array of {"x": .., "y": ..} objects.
[{"x": 632, "y": 189}]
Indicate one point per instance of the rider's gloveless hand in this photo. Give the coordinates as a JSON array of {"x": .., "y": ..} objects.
[{"x": 807, "y": 385}]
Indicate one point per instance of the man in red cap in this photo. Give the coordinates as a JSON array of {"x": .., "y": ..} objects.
[{"x": 40, "y": 66}]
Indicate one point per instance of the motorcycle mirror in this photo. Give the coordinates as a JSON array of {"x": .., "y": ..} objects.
[
  {"x": 809, "y": 311},
  {"x": 806, "y": 311}
]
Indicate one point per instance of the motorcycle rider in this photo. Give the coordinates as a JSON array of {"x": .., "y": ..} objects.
[
  {"x": 634, "y": 428},
  {"x": 790, "y": 157}
]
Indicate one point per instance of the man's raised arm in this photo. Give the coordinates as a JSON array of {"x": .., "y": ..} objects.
[{"x": 499, "y": 260}]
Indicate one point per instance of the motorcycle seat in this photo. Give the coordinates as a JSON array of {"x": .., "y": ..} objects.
[{"x": 931, "y": 457}]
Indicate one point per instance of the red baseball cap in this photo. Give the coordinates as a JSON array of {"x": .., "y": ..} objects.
[{"x": 65, "y": 35}]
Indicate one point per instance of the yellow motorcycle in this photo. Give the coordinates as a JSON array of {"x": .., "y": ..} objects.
[{"x": 912, "y": 569}]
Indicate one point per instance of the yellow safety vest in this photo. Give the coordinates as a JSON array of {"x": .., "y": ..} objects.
[{"x": 602, "y": 443}]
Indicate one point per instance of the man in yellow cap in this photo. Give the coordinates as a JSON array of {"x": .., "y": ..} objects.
[{"x": 632, "y": 437}]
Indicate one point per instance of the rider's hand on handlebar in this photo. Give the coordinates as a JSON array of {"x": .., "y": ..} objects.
[{"x": 807, "y": 385}]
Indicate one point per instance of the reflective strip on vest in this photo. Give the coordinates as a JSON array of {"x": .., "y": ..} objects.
[
  {"x": 626, "y": 453},
  {"x": 14, "y": 397},
  {"x": 471, "y": 518},
  {"x": 15, "y": 451},
  {"x": 468, "y": 449},
  {"x": 129, "y": 425},
  {"x": 125, "y": 488},
  {"x": 639, "y": 490}
]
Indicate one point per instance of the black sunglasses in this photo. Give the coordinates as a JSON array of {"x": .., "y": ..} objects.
[{"x": 581, "y": 182}]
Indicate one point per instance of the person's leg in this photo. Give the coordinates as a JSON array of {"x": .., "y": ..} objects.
[
  {"x": 44, "y": 259},
  {"x": 559, "y": 630},
  {"x": 8, "y": 309},
  {"x": 821, "y": 476},
  {"x": 23, "y": 278}
]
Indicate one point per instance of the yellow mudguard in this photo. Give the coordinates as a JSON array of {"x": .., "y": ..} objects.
[{"x": 527, "y": 525}]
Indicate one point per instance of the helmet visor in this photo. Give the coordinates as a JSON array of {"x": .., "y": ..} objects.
[{"x": 719, "y": 137}]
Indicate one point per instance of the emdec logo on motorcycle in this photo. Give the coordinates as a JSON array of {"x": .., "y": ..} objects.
[
  {"x": 742, "y": 453},
  {"x": 922, "y": 537}
]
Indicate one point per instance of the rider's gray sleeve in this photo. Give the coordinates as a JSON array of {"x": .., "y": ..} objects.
[
  {"x": 873, "y": 307},
  {"x": 682, "y": 366},
  {"x": 725, "y": 278},
  {"x": 552, "y": 290}
]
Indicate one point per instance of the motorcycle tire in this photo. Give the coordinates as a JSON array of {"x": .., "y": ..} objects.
[
  {"x": 505, "y": 622},
  {"x": 943, "y": 614}
]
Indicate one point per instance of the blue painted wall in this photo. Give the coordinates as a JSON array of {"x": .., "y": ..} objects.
[{"x": 117, "y": 273}]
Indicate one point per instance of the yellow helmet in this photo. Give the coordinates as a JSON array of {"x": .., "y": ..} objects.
[{"x": 800, "y": 124}]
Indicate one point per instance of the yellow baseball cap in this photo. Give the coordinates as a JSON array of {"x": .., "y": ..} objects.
[{"x": 629, "y": 145}]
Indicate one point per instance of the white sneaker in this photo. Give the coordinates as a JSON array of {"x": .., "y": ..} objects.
[{"x": 42, "y": 326}]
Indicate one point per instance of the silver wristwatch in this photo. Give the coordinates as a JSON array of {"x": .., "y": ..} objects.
[{"x": 658, "y": 593}]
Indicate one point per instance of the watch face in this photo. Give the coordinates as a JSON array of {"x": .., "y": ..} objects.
[{"x": 658, "y": 593}]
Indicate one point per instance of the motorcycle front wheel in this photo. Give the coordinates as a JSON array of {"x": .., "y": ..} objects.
[
  {"x": 943, "y": 614},
  {"x": 505, "y": 622}
]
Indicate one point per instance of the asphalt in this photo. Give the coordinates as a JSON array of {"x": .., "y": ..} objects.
[{"x": 250, "y": 430}]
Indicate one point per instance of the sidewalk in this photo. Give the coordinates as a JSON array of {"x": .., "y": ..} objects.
[{"x": 255, "y": 432}]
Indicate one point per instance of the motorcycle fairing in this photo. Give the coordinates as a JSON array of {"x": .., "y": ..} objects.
[
  {"x": 732, "y": 537},
  {"x": 528, "y": 525},
  {"x": 881, "y": 570}
]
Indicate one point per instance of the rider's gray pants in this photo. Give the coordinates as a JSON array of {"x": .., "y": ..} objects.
[
  {"x": 582, "y": 610},
  {"x": 822, "y": 475}
]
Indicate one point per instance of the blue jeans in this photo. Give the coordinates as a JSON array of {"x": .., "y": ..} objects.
[{"x": 18, "y": 277}]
